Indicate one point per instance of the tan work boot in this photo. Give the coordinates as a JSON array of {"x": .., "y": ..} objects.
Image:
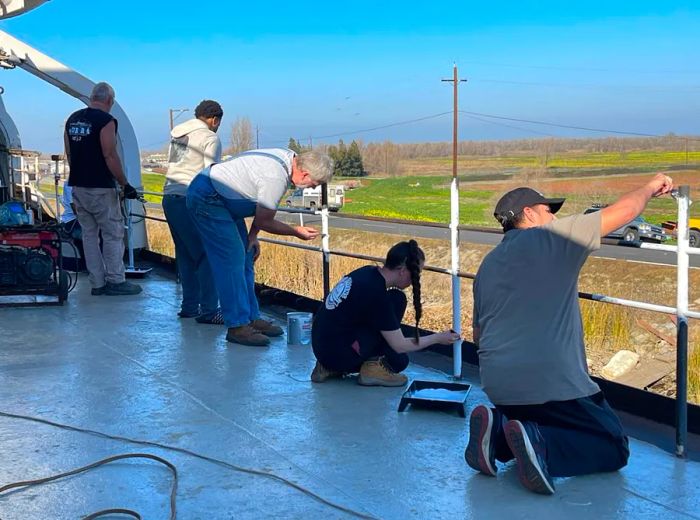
[
  {"x": 377, "y": 372},
  {"x": 247, "y": 335},
  {"x": 321, "y": 373},
  {"x": 267, "y": 327}
]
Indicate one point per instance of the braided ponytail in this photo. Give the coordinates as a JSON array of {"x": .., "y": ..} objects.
[{"x": 411, "y": 256}]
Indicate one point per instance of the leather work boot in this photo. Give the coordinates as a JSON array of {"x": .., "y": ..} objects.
[
  {"x": 267, "y": 327},
  {"x": 377, "y": 372},
  {"x": 247, "y": 335},
  {"x": 321, "y": 374}
]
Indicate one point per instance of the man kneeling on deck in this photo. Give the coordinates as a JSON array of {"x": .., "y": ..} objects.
[
  {"x": 549, "y": 415},
  {"x": 358, "y": 328}
]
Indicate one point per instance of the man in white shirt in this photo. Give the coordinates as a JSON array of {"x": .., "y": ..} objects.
[{"x": 220, "y": 198}]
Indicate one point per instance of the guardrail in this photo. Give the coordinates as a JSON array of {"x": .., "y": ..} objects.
[{"x": 682, "y": 250}]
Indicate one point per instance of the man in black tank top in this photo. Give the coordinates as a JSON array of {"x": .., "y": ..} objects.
[{"x": 90, "y": 140}]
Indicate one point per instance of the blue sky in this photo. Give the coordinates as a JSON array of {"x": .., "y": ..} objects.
[{"x": 311, "y": 69}]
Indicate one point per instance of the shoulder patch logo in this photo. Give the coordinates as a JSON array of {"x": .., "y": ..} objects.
[{"x": 339, "y": 293}]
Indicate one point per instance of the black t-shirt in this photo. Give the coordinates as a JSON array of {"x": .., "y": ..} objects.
[
  {"x": 88, "y": 168},
  {"x": 359, "y": 300}
]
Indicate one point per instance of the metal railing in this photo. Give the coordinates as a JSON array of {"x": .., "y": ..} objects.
[{"x": 682, "y": 250}]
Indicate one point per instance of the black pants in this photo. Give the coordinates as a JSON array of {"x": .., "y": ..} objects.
[
  {"x": 582, "y": 436},
  {"x": 346, "y": 354}
]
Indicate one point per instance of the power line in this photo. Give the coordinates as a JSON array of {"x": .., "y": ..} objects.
[
  {"x": 647, "y": 88},
  {"x": 508, "y": 126},
  {"x": 573, "y": 127},
  {"x": 390, "y": 125},
  {"x": 586, "y": 69}
]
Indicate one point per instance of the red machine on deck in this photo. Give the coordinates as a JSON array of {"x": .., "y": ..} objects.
[{"x": 30, "y": 262}]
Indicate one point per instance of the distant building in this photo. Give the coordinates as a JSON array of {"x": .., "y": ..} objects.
[{"x": 154, "y": 160}]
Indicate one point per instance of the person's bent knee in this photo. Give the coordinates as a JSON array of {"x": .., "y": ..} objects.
[{"x": 624, "y": 454}]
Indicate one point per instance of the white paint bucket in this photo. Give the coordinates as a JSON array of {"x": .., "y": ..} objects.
[{"x": 299, "y": 328}]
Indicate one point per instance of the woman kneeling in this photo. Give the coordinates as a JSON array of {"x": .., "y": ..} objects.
[{"x": 358, "y": 329}]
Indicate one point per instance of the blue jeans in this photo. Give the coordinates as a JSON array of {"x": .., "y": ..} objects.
[
  {"x": 221, "y": 225},
  {"x": 199, "y": 294}
]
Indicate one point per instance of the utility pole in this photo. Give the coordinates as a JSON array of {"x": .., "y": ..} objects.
[
  {"x": 455, "y": 83},
  {"x": 178, "y": 111},
  {"x": 311, "y": 143},
  {"x": 454, "y": 235},
  {"x": 257, "y": 137}
]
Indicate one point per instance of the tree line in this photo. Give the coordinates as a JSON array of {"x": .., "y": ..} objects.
[{"x": 359, "y": 159}]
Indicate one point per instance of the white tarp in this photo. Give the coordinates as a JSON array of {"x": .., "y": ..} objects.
[{"x": 10, "y": 8}]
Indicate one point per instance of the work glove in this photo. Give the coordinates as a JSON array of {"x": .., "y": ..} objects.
[{"x": 130, "y": 192}]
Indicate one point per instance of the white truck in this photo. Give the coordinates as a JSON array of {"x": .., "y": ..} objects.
[{"x": 310, "y": 198}]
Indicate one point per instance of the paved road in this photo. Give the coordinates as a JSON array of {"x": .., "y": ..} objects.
[{"x": 631, "y": 254}]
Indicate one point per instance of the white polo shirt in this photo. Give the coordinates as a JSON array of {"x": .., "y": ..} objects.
[{"x": 262, "y": 176}]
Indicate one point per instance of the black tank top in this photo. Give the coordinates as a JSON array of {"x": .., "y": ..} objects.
[{"x": 88, "y": 168}]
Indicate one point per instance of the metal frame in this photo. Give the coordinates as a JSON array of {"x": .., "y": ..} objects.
[
  {"x": 14, "y": 53},
  {"x": 681, "y": 311}
]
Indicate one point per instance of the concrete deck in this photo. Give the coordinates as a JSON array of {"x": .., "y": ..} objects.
[{"x": 127, "y": 366}]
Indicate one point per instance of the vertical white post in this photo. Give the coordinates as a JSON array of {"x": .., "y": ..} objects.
[
  {"x": 456, "y": 301},
  {"x": 325, "y": 238},
  {"x": 682, "y": 322},
  {"x": 326, "y": 248},
  {"x": 683, "y": 245}
]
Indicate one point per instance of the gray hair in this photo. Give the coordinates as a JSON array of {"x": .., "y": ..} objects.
[
  {"x": 319, "y": 165},
  {"x": 102, "y": 92}
]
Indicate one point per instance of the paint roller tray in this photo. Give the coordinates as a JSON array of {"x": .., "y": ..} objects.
[{"x": 439, "y": 395}]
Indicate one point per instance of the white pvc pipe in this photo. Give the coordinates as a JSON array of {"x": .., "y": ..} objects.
[
  {"x": 325, "y": 235},
  {"x": 682, "y": 323},
  {"x": 456, "y": 282},
  {"x": 683, "y": 250},
  {"x": 671, "y": 249}
]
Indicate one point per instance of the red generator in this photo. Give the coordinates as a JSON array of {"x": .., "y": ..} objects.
[{"x": 30, "y": 262}]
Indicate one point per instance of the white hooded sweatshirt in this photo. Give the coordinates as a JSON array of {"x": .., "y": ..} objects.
[{"x": 193, "y": 147}]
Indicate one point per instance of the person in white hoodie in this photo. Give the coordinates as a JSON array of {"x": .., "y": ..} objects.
[{"x": 194, "y": 146}]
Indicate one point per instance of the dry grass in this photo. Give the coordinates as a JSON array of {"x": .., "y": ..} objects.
[
  {"x": 608, "y": 328},
  {"x": 159, "y": 238},
  {"x": 694, "y": 374}
]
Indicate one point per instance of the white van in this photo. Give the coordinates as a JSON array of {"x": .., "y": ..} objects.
[{"x": 310, "y": 198}]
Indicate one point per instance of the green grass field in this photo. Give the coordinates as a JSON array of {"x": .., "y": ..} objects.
[
  {"x": 427, "y": 198},
  {"x": 153, "y": 182},
  {"x": 417, "y": 198},
  {"x": 555, "y": 164}
]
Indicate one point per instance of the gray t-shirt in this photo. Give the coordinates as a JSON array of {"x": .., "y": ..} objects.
[
  {"x": 262, "y": 176},
  {"x": 531, "y": 348}
]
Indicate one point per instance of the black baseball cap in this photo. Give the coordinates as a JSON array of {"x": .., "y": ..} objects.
[{"x": 516, "y": 200}]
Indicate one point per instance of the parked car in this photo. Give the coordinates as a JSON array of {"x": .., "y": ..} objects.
[
  {"x": 310, "y": 198},
  {"x": 637, "y": 230}
]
